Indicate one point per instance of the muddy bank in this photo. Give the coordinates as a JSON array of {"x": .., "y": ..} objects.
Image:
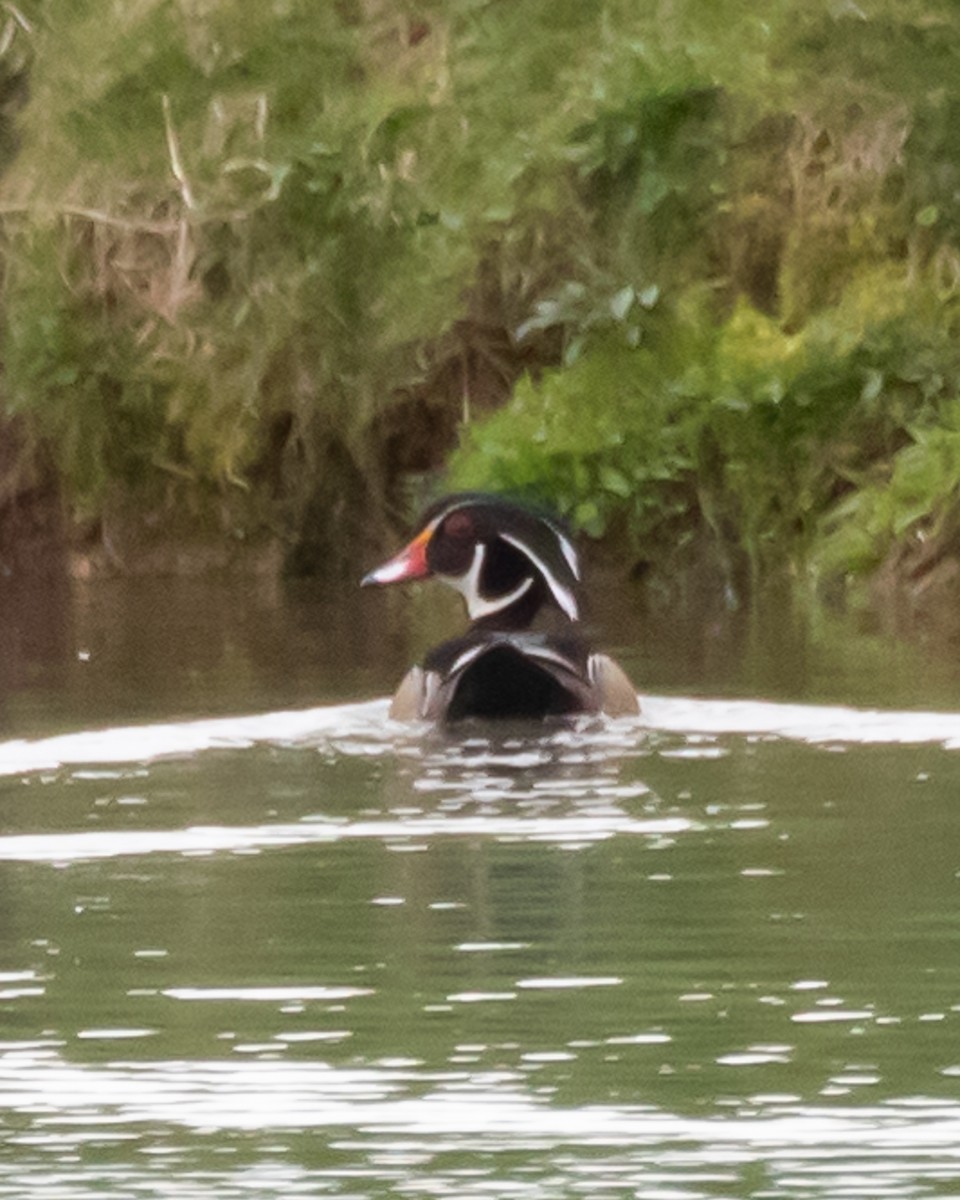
[
  {"x": 40, "y": 540},
  {"x": 915, "y": 593}
]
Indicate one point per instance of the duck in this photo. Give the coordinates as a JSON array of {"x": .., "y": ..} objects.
[{"x": 524, "y": 654}]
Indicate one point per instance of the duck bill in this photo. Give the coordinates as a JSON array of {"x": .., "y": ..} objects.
[{"x": 410, "y": 563}]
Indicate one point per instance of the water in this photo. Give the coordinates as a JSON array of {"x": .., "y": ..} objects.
[{"x": 257, "y": 943}]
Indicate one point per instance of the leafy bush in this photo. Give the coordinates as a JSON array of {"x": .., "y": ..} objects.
[{"x": 756, "y": 430}]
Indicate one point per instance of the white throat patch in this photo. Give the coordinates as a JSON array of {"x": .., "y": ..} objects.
[{"x": 468, "y": 585}]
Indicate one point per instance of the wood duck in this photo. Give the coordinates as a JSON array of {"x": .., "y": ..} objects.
[{"x": 523, "y": 656}]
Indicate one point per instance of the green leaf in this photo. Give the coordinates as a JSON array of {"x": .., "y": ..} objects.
[
  {"x": 615, "y": 482},
  {"x": 587, "y": 516}
]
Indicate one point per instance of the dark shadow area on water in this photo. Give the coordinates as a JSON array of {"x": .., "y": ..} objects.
[{"x": 113, "y": 651}]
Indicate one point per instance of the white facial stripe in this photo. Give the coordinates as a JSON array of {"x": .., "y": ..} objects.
[
  {"x": 468, "y": 585},
  {"x": 445, "y": 512},
  {"x": 563, "y": 596},
  {"x": 569, "y": 553}
]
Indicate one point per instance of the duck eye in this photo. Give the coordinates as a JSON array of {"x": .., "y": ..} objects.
[{"x": 459, "y": 525}]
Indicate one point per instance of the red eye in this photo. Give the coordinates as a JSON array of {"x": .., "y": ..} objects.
[{"x": 459, "y": 525}]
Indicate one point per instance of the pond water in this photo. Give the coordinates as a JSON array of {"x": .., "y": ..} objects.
[{"x": 257, "y": 942}]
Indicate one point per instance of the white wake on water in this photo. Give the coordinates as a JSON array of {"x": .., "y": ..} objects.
[{"x": 364, "y": 727}]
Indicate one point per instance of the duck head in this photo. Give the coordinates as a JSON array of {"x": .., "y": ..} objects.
[{"x": 505, "y": 560}]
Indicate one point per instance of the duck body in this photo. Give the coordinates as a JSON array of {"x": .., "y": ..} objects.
[
  {"x": 524, "y": 656},
  {"x": 512, "y": 675}
]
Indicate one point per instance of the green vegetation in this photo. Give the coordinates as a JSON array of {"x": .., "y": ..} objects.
[{"x": 684, "y": 266}]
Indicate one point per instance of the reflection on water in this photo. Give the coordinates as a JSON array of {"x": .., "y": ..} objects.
[
  {"x": 113, "y": 652},
  {"x": 306, "y": 952}
]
